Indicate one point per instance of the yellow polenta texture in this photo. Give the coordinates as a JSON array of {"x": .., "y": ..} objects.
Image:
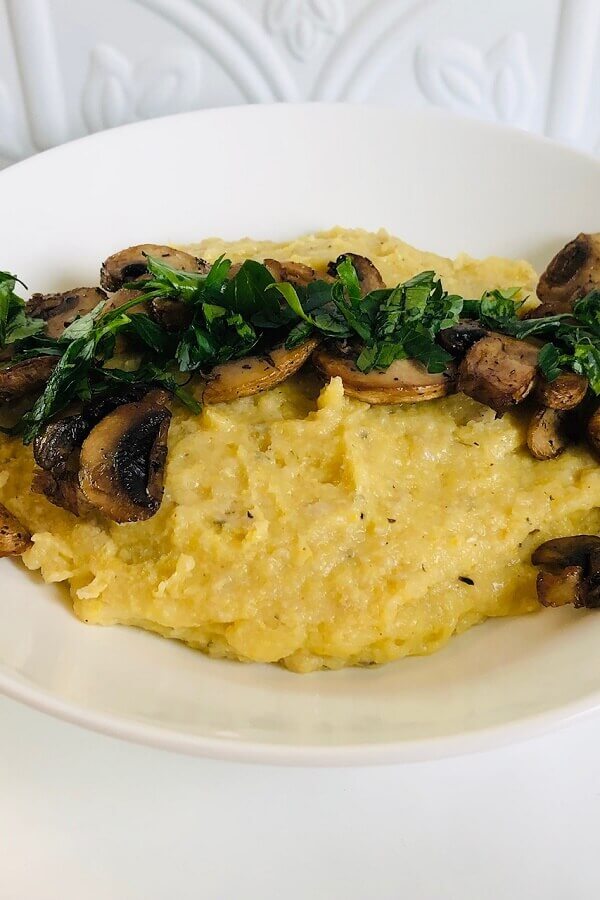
[{"x": 303, "y": 527}]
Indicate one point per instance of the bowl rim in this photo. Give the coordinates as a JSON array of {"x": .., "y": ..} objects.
[
  {"x": 306, "y": 755},
  {"x": 311, "y": 754}
]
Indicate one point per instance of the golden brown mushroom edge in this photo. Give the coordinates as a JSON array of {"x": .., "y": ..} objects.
[
  {"x": 405, "y": 381},
  {"x": 570, "y": 571}
]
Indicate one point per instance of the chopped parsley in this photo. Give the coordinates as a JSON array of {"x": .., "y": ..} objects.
[{"x": 232, "y": 317}]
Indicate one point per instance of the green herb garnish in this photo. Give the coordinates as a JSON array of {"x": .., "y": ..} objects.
[{"x": 233, "y": 317}]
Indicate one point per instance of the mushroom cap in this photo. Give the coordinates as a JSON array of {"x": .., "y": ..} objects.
[
  {"x": 560, "y": 307},
  {"x": 173, "y": 315},
  {"x": 131, "y": 263},
  {"x": 573, "y": 272},
  {"x": 21, "y": 378},
  {"x": 459, "y": 338},
  {"x": 405, "y": 381},
  {"x": 123, "y": 458},
  {"x": 572, "y": 573},
  {"x": 60, "y": 310},
  {"x": 54, "y": 446},
  {"x": 293, "y": 272},
  {"x": 499, "y": 371},
  {"x": 558, "y": 553},
  {"x": 368, "y": 274},
  {"x": 565, "y": 392},
  {"x": 547, "y": 434},
  {"x": 14, "y": 537},
  {"x": 253, "y": 374}
]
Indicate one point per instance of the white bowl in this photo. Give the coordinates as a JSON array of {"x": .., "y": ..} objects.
[{"x": 277, "y": 171}]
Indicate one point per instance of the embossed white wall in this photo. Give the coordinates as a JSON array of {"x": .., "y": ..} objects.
[{"x": 69, "y": 67}]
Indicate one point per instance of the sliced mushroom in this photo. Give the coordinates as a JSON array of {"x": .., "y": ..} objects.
[
  {"x": 173, "y": 315},
  {"x": 14, "y": 537},
  {"x": 460, "y": 337},
  {"x": 122, "y": 296},
  {"x": 561, "y": 589},
  {"x": 572, "y": 571},
  {"x": 574, "y": 550},
  {"x": 499, "y": 371},
  {"x": 547, "y": 434},
  {"x": 53, "y": 448},
  {"x": 56, "y": 450},
  {"x": 123, "y": 458},
  {"x": 405, "y": 381},
  {"x": 565, "y": 392},
  {"x": 129, "y": 264},
  {"x": 60, "y": 310},
  {"x": 62, "y": 491},
  {"x": 292, "y": 272},
  {"x": 573, "y": 272},
  {"x": 21, "y": 378},
  {"x": 593, "y": 430},
  {"x": 543, "y": 310},
  {"x": 368, "y": 274},
  {"x": 253, "y": 374}
]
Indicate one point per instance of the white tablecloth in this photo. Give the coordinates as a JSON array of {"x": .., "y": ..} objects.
[{"x": 85, "y": 817}]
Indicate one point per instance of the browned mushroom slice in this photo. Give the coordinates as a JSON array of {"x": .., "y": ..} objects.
[
  {"x": 173, "y": 315},
  {"x": 572, "y": 573},
  {"x": 574, "y": 550},
  {"x": 292, "y": 272},
  {"x": 253, "y": 374},
  {"x": 405, "y": 381},
  {"x": 593, "y": 430},
  {"x": 573, "y": 272},
  {"x": 460, "y": 337},
  {"x": 53, "y": 447},
  {"x": 129, "y": 264},
  {"x": 368, "y": 274},
  {"x": 565, "y": 392},
  {"x": 499, "y": 371},
  {"x": 14, "y": 537},
  {"x": 547, "y": 434},
  {"x": 63, "y": 491},
  {"x": 562, "y": 588},
  {"x": 60, "y": 310},
  {"x": 122, "y": 296},
  {"x": 21, "y": 378},
  {"x": 123, "y": 458},
  {"x": 564, "y": 307}
]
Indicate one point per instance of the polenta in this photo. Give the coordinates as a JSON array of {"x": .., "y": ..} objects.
[{"x": 304, "y": 527}]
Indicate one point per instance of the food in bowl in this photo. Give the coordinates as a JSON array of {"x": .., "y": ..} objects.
[{"x": 335, "y": 451}]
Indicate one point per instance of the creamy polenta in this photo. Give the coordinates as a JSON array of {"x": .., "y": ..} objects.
[{"x": 303, "y": 527}]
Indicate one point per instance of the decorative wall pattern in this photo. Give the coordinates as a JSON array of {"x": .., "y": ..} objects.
[{"x": 69, "y": 68}]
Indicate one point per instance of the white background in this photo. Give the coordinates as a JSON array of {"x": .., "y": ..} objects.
[
  {"x": 89, "y": 818},
  {"x": 84, "y": 816}
]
